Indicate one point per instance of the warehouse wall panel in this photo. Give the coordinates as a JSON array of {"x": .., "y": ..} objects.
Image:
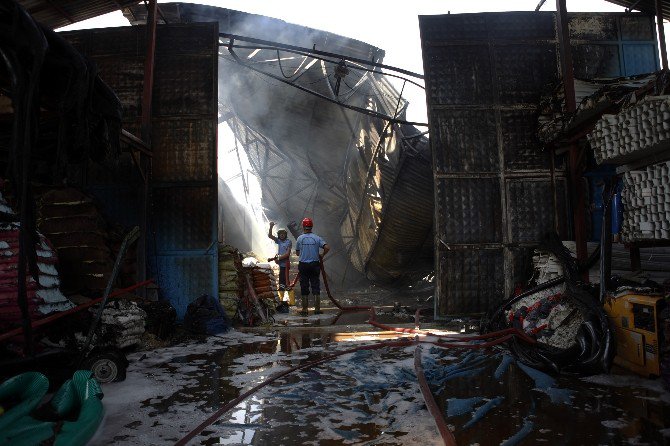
[
  {"x": 183, "y": 208},
  {"x": 497, "y": 191}
]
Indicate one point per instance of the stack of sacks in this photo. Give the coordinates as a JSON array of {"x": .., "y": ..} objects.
[
  {"x": 231, "y": 282},
  {"x": 44, "y": 297},
  {"x": 646, "y": 199},
  {"x": 122, "y": 324},
  {"x": 637, "y": 128},
  {"x": 76, "y": 229},
  {"x": 264, "y": 281}
]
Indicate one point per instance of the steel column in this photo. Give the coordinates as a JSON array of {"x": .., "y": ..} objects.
[
  {"x": 635, "y": 260},
  {"x": 661, "y": 35},
  {"x": 575, "y": 159},
  {"x": 147, "y": 96}
]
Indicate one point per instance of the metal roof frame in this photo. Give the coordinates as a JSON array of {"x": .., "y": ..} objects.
[{"x": 57, "y": 13}]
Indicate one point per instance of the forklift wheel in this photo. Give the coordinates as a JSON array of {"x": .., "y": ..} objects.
[{"x": 107, "y": 366}]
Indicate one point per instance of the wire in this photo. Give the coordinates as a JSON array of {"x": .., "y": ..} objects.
[{"x": 282, "y": 69}]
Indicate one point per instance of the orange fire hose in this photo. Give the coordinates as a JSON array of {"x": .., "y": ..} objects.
[{"x": 456, "y": 342}]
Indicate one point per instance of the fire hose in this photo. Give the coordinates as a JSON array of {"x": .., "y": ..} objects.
[
  {"x": 221, "y": 411},
  {"x": 463, "y": 342}
]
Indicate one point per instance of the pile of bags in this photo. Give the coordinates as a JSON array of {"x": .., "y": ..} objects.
[
  {"x": 72, "y": 223},
  {"x": 231, "y": 282},
  {"x": 44, "y": 296},
  {"x": 122, "y": 324},
  {"x": 264, "y": 281}
]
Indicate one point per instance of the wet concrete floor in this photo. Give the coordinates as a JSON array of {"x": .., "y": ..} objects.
[{"x": 368, "y": 397}]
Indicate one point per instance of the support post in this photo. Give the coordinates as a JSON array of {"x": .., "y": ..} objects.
[
  {"x": 145, "y": 161},
  {"x": 661, "y": 35},
  {"x": 575, "y": 158},
  {"x": 635, "y": 260}
]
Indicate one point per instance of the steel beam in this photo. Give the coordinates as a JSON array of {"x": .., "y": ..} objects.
[
  {"x": 635, "y": 260},
  {"x": 661, "y": 35},
  {"x": 147, "y": 97},
  {"x": 310, "y": 51},
  {"x": 575, "y": 160},
  {"x": 566, "y": 55}
]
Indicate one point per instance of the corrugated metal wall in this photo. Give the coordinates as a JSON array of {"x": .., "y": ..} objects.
[
  {"x": 183, "y": 209},
  {"x": 494, "y": 187}
]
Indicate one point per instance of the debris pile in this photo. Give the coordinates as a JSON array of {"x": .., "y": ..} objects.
[
  {"x": 570, "y": 325},
  {"x": 44, "y": 296},
  {"x": 244, "y": 286},
  {"x": 633, "y": 131},
  {"x": 73, "y": 224},
  {"x": 231, "y": 282},
  {"x": 553, "y": 319},
  {"x": 646, "y": 198},
  {"x": 161, "y": 318},
  {"x": 206, "y": 316}
]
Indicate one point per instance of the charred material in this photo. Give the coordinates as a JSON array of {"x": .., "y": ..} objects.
[{"x": 593, "y": 348}]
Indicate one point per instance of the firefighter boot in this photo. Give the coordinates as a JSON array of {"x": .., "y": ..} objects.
[
  {"x": 304, "y": 305},
  {"x": 317, "y": 304}
]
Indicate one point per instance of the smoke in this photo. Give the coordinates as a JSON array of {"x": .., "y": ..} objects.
[{"x": 299, "y": 147}]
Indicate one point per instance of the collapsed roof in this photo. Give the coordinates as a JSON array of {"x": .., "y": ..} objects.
[{"x": 318, "y": 141}]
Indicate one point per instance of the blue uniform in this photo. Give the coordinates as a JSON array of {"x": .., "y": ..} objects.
[
  {"x": 308, "y": 245},
  {"x": 283, "y": 246}
]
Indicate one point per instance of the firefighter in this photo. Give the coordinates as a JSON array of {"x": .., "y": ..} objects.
[
  {"x": 284, "y": 246},
  {"x": 308, "y": 249}
]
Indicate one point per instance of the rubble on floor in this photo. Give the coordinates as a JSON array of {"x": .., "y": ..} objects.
[{"x": 206, "y": 316}]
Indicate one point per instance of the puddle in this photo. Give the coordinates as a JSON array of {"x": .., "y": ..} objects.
[
  {"x": 368, "y": 397},
  {"x": 537, "y": 409}
]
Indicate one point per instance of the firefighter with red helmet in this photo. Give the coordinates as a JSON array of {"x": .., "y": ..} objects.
[{"x": 308, "y": 248}]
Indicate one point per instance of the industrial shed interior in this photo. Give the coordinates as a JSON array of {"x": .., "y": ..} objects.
[{"x": 219, "y": 227}]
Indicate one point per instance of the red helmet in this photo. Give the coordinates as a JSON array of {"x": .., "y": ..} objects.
[{"x": 307, "y": 223}]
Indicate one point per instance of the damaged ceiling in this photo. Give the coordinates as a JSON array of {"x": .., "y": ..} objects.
[{"x": 56, "y": 13}]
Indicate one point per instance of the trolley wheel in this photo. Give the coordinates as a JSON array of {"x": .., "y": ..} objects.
[{"x": 107, "y": 366}]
